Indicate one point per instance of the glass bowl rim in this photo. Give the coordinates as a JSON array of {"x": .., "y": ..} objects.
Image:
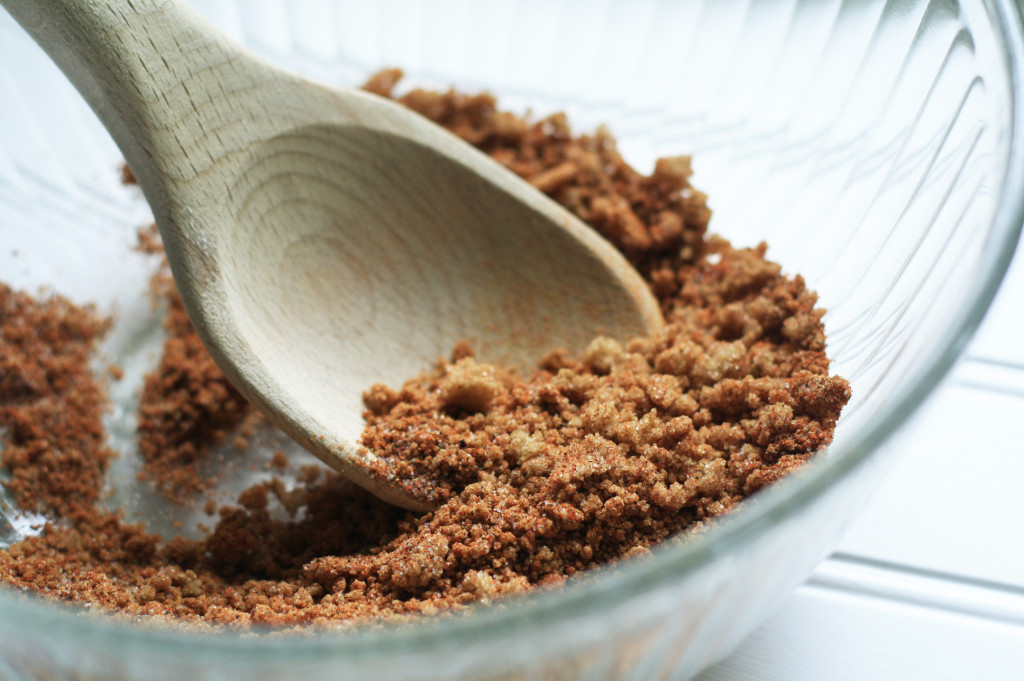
[{"x": 604, "y": 588}]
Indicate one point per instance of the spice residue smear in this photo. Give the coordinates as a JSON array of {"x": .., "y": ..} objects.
[{"x": 591, "y": 459}]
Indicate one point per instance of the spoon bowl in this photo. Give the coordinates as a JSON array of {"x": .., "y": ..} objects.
[{"x": 324, "y": 240}]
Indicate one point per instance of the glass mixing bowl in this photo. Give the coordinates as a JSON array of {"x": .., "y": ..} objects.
[{"x": 876, "y": 146}]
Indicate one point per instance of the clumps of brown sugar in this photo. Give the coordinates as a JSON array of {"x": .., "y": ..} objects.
[
  {"x": 732, "y": 314},
  {"x": 187, "y": 404},
  {"x": 590, "y": 460},
  {"x": 729, "y": 387},
  {"x": 249, "y": 570},
  {"x": 54, "y": 446},
  {"x": 650, "y": 218}
]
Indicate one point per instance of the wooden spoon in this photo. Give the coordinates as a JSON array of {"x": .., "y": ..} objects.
[{"x": 324, "y": 239}]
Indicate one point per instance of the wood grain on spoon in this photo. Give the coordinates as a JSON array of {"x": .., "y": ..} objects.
[{"x": 327, "y": 239}]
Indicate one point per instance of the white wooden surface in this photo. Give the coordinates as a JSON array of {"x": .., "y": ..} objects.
[{"x": 928, "y": 583}]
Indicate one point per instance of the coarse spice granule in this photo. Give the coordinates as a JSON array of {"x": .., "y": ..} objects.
[{"x": 591, "y": 459}]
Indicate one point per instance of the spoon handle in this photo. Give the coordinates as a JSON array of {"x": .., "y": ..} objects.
[{"x": 144, "y": 66}]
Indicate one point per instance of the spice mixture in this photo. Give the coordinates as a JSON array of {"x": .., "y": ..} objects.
[
  {"x": 591, "y": 459},
  {"x": 187, "y": 404}
]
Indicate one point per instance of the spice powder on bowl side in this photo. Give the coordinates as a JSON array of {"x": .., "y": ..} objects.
[{"x": 534, "y": 479}]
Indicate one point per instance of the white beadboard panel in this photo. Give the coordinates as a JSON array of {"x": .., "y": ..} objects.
[
  {"x": 1001, "y": 337},
  {"x": 855, "y": 621},
  {"x": 952, "y": 500}
]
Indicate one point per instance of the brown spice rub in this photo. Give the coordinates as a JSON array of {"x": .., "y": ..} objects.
[
  {"x": 730, "y": 384},
  {"x": 590, "y": 460},
  {"x": 653, "y": 220},
  {"x": 249, "y": 570},
  {"x": 54, "y": 444},
  {"x": 187, "y": 404},
  {"x": 734, "y": 318}
]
